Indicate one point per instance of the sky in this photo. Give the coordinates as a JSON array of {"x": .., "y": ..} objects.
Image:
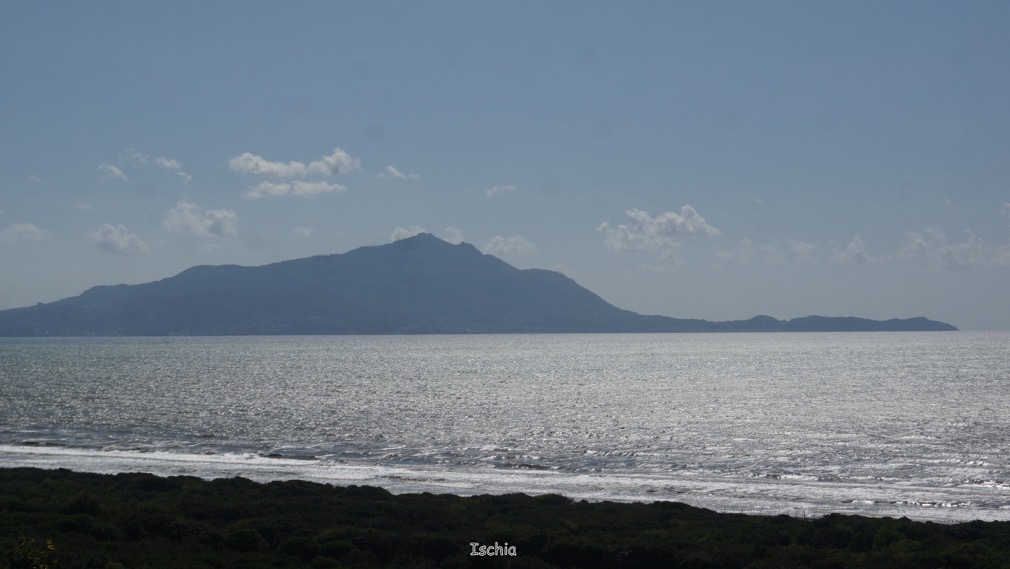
[{"x": 713, "y": 160}]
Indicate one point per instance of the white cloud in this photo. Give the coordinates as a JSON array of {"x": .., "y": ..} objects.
[
  {"x": 167, "y": 163},
  {"x": 498, "y": 190},
  {"x": 309, "y": 189},
  {"x": 391, "y": 173},
  {"x": 248, "y": 163},
  {"x": 515, "y": 245},
  {"x": 220, "y": 222},
  {"x": 173, "y": 166},
  {"x": 304, "y": 231},
  {"x": 453, "y": 235},
  {"x": 297, "y": 188},
  {"x": 646, "y": 233},
  {"x": 110, "y": 172},
  {"x": 405, "y": 232},
  {"x": 117, "y": 239},
  {"x": 337, "y": 162},
  {"x": 855, "y": 251},
  {"x": 269, "y": 189},
  {"x": 170, "y": 164},
  {"x": 21, "y": 232},
  {"x": 186, "y": 217}
]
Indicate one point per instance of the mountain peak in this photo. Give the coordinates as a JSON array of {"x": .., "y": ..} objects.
[
  {"x": 422, "y": 238},
  {"x": 426, "y": 242}
]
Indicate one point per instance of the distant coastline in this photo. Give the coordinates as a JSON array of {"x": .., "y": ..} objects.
[{"x": 418, "y": 285}]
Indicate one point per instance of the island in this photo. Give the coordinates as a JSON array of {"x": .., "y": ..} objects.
[{"x": 417, "y": 285}]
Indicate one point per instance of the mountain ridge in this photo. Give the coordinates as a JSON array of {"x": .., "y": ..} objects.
[{"x": 418, "y": 285}]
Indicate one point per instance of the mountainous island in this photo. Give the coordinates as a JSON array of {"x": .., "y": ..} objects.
[{"x": 419, "y": 285}]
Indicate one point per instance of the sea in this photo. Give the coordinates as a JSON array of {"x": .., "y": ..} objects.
[{"x": 806, "y": 424}]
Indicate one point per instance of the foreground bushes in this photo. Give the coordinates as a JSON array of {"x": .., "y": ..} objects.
[{"x": 69, "y": 520}]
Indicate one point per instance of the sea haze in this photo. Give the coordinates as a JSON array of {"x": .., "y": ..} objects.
[{"x": 803, "y": 424}]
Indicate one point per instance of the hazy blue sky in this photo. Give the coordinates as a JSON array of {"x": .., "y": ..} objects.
[{"x": 695, "y": 159}]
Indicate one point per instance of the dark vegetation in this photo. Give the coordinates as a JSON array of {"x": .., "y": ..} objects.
[
  {"x": 58, "y": 518},
  {"x": 420, "y": 285}
]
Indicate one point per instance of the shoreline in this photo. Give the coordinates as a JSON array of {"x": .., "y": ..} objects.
[
  {"x": 135, "y": 519},
  {"x": 759, "y": 497}
]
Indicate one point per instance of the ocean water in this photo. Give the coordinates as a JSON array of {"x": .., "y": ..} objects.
[{"x": 880, "y": 424}]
